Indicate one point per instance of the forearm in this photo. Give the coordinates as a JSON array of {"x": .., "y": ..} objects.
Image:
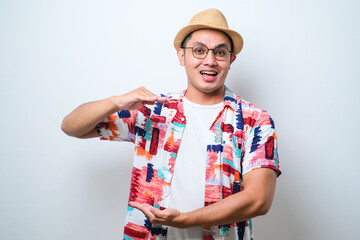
[
  {"x": 235, "y": 208},
  {"x": 82, "y": 121},
  {"x": 85, "y": 118},
  {"x": 254, "y": 200}
]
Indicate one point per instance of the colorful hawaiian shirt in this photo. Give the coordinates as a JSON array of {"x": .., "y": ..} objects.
[{"x": 242, "y": 138}]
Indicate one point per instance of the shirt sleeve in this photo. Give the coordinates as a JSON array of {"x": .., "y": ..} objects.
[
  {"x": 119, "y": 126},
  {"x": 261, "y": 148}
]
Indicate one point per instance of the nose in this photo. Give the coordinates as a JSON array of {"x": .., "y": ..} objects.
[{"x": 210, "y": 58}]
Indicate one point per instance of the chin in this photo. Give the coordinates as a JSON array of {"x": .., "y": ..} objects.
[{"x": 211, "y": 88}]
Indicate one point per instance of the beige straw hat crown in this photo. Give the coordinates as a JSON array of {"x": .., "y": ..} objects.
[{"x": 209, "y": 19}]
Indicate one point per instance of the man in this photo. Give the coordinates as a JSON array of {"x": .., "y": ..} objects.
[{"x": 205, "y": 160}]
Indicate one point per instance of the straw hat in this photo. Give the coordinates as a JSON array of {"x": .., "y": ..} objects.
[{"x": 209, "y": 19}]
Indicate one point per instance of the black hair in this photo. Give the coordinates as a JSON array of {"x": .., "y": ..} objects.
[
  {"x": 188, "y": 37},
  {"x": 186, "y": 40}
]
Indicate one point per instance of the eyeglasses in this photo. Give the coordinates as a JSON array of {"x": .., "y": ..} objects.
[{"x": 201, "y": 51}]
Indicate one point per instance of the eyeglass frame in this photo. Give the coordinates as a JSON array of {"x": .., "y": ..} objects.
[{"x": 207, "y": 52}]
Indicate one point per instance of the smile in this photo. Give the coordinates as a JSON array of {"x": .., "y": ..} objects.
[{"x": 208, "y": 73}]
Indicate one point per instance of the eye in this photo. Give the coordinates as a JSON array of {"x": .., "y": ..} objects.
[
  {"x": 221, "y": 52},
  {"x": 199, "y": 50}
]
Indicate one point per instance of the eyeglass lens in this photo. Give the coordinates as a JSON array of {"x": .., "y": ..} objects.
[{"x": 220, "y": 53}]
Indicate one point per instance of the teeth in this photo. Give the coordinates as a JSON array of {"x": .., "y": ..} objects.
[{"x": 210, "y": 73}]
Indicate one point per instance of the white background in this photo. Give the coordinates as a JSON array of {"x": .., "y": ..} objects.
[{"x": 300, "y": 62}]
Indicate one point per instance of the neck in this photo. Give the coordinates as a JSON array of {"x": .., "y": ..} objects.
[{"x": 203, "y": 98}]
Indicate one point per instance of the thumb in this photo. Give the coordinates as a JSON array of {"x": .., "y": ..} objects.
[{"x": 156, "y": 212}]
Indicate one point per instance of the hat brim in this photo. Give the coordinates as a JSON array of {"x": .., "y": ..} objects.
[{"x": 235, "y": 37}]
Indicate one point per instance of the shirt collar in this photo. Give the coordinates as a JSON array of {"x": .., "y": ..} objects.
[{"x": 229, "y": 97}]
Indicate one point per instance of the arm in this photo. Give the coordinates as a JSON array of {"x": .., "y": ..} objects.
[
  {"x": 81, "y": 122},
  {"x": 255, "y": 200}
]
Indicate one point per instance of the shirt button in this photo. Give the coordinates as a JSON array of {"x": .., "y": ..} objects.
[{"x": 182, "y": 119}]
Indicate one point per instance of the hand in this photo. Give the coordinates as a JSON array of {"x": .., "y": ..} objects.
[
  {"x": 168, "y": 217},
  {"x": 137, "y": 98}
]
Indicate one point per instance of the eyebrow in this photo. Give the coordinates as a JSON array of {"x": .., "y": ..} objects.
[{"x": 219, "y": 45}]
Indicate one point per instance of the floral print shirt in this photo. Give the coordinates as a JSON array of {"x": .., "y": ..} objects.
[{"x": 242, "y": 138}]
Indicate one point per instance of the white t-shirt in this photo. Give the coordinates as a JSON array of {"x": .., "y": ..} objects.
[{"x": 188, "y": 182}]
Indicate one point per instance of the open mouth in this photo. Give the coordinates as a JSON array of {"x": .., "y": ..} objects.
[{"x": 209, "y": 73}]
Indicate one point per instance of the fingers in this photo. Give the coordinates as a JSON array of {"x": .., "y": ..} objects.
[
  {"x": 145, "y": 208},
  {"x": 157, "y": 212},
  {"x": 138, "y": 98},
  {"x": 151, "y": 212},
  {"x": 156, "y": 216},
  {"x": 148, "y": 97},
  {"x": 141, "y": 206}
]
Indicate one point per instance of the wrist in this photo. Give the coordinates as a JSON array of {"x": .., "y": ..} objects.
[
  {"x": 184, "y": 220},
  {"x": 114, "y": 103}
]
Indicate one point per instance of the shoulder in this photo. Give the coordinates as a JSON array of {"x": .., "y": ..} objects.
[
  {"x": 251, "y": 113},
  {"x": 240, "y": 102}
]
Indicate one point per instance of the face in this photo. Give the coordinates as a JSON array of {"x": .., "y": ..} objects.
[{"x": 206, "y": 76}]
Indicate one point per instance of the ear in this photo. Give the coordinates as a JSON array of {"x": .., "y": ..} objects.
[
  {"x": 180, "y": 54},
  {"x": 232, "y": 58}
]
